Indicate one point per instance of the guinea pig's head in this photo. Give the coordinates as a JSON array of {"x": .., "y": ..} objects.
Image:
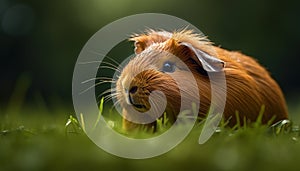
[{"x": 161, "y": 59}]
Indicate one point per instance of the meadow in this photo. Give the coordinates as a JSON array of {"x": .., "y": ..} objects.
[{"x": 35, "y": 138}]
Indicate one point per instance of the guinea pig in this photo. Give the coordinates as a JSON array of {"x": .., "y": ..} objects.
[{"x": 250, "y": 87}]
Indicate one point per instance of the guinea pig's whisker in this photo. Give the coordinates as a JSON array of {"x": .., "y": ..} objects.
[
  {"x": 107, "y": 79},
  {"x": 113, "y": 60},
  {"x": 115, "y": 67},
  {"x": 154, "y": 105},
  {"x": 106, "y": 92},
  {"x": 88, "y": 62},
  {"x": 117, "y": 102},
  {"x": 106, "y": 56},
  {"x": 97, "y": 84},
  {"x": 108, "y": 97},
  {"x": 109, "y": 67},
  {"x": 115, "y": 64}
]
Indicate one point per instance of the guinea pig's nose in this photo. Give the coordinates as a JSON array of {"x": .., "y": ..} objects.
[{"x": 133, "y": 89}]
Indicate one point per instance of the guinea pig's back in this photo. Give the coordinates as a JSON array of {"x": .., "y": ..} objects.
[{"x": 249, "y": 87}]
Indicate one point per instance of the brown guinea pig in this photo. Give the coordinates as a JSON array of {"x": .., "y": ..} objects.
[{"x": 249, "y": 86}]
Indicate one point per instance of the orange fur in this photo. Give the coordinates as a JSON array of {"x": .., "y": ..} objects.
[{"x": 249, "y": 85}]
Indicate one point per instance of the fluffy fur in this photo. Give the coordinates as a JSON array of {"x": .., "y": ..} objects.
[{"x": 249, "y": 85}]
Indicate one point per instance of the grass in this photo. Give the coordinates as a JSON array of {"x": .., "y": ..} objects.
[{"x": 36, "y": 140}]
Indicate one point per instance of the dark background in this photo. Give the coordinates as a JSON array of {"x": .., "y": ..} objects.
[{"x": 41, "y": 40}]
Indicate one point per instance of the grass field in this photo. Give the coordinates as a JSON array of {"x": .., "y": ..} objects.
[{"x": 35, "y": 138}]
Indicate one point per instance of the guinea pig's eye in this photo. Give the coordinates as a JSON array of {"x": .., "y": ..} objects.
[{"x": 168, "y": 67}]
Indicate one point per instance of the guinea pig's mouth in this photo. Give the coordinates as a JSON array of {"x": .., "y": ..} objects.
[
  {"x": 140, "y": 107},
  {"x": 137, "y": 105}
]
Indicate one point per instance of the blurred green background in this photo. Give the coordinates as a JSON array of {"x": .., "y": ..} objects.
[{"x": 41, "y": 40}]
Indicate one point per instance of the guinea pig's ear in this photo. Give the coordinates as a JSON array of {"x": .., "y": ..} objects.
[
  {"x": 141, "y": 42},
  {"x": 208, "y": 62}
]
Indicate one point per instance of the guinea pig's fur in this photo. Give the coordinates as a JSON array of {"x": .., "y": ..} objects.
[{"x": 249, "y": 85}]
